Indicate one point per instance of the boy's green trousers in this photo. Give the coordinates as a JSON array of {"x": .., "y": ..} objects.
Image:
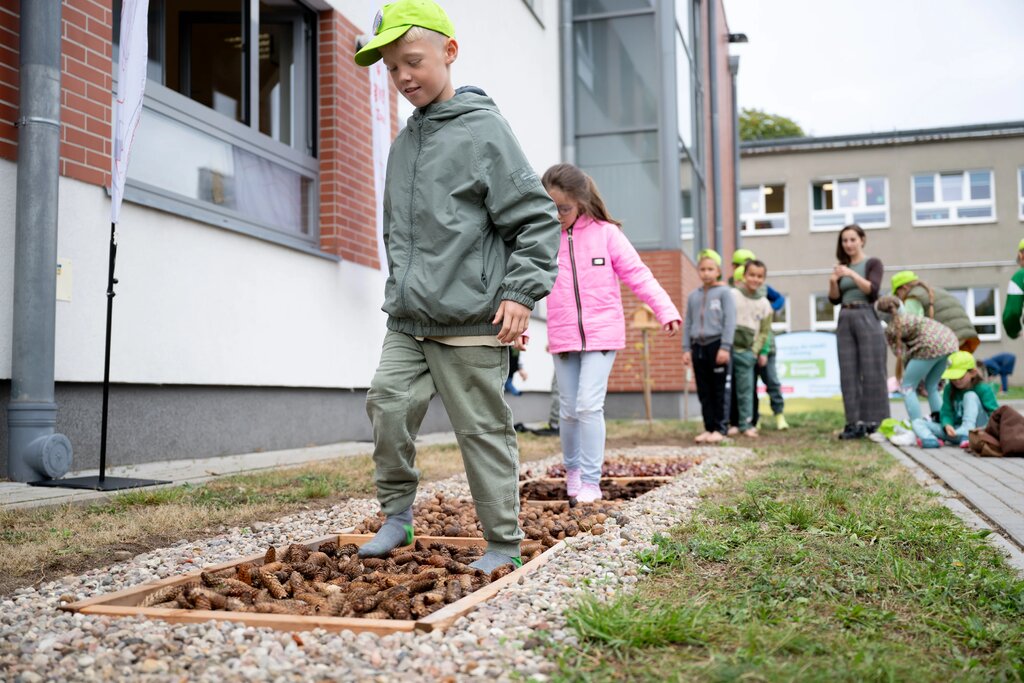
[
  {"x": 471, "y": 381},
  {"x": 743, "y": 365}
]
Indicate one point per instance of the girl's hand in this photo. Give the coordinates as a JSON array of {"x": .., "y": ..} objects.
[
  {"x": 722, "y": 357},
  {"x": 687, "y": 359},
  {"x": 842, "y": 271},
  {"x": 950, "y": 432},
  {"x": 671, "y": 328},
  {"x": 762, "y": 360}
]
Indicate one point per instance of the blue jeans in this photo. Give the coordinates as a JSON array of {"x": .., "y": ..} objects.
[
  {"x": 582, "y": 386},
  {"x": 932, "y": 431},
  {"x": 930, "y": 371}
]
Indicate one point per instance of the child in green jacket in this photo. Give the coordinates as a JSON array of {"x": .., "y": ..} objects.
[
  {"x": 1014, "y": 308},
  {"x": 967, "y": 402},
  {"x": 750, "y": 343},
  {"x": 471, "y": 240}
]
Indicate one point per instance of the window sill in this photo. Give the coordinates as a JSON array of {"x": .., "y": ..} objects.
[
  {"x": 942, "y": 224},
  {"x": 756, "y": 233},
  {"x": 154, "y": 198},
  {"x": 839, "y": 228}
]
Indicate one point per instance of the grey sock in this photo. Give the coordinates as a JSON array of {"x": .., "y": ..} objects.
[
  {"x": 492, "y": 560},
  {"x": 396, "y": 532}
]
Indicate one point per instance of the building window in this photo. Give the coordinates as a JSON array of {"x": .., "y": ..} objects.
[
  {"x": 229, "y": 128},
  {"x": 954, "y": 198},
  {"x": 763, "y": 210},
  {"x": 1020, "y": 192},
  {"x": 837, "y": 202},
  {"x": 824, "y": 315},
  {"x": 781, "y": 319},
  {"x": 982, "y": 306},
  {"x": 686, "y": 216}
]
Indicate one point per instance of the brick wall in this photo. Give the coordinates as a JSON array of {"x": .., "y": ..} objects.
[
  {"x": 678, "y": 276},
  {"x": 347, "y": 200},
  {"x": 86, "y": 84},
  {"x": 9, "y": 45}
]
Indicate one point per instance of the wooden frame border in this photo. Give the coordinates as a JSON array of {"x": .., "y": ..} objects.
[{"x": 125, "y": 603}]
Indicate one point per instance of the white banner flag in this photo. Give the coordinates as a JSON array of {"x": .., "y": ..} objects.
[
  {"x": 131, "y": 85},
  {"x": 380, "y": 110}
]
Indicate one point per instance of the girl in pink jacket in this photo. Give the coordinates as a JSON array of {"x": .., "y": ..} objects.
[{"x": 586, "y": 323}]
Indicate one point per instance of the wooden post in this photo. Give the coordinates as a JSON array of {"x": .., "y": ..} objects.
[{"x": 645, "y": 321}]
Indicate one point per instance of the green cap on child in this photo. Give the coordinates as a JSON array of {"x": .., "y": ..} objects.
[{"x": 394, "y": 19}]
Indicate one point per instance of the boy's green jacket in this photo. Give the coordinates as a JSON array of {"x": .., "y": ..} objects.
[{"x": 467, "y": 222}]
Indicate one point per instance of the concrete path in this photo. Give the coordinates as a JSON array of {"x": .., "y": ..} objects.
[
  {"x": 993, "y": 486},
  {"x": 18, "y": 495}
]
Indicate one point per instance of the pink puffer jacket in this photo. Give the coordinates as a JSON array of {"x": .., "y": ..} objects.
[{"x": 585, "y": 305}]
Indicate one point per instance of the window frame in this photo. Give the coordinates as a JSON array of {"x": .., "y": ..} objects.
[
  {"x": 1020, "y": 193},
  {"x": 848, "y": 214},
  {"x": 953, "y": 206},
  {"x": 787, "y": 326},
  {"x": 245, "y": 135},
  {"x": 995, "y": 319},
  {"x": 748, "y": 220},
  {"x": 817, "y": 326}
]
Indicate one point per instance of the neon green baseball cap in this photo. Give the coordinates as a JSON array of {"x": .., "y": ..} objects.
[
  {"x": 959, "y": 364},
  {"x": 741, "y": 256},
  {"x": 901, "y": 278},
  {"x": 710, "y": 254},
  {"x": 394, "y": 19},
  {"x": 1020, "y": 245},
  {"x": 737, "y": 274}
]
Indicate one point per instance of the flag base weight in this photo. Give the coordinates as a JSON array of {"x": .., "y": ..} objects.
[{"x": 98, "y": 483}]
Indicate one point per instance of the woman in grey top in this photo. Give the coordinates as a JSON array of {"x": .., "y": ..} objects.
[{"x": 854, "y": 285}]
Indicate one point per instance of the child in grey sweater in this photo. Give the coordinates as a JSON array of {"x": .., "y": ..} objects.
[{"x": 707, "y": 342}]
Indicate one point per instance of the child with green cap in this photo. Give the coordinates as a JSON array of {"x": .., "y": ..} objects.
[
  {"x": 471, "y": 240},
  {"x": 707, "y": 343},
  {"x": 1013, "y": 311},
  {"x": 967, "y": 403}
]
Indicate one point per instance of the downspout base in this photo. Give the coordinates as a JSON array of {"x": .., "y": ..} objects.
[{"x": 35, "y": 451}]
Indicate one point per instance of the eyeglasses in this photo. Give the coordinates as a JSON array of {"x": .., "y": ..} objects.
[{"x": 565, "y": 209}]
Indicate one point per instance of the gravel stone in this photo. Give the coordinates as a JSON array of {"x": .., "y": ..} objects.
[{"x": 500, "y": 640}]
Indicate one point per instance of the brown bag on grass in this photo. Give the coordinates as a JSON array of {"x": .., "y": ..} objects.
[{"x": 1003, "y": 435}]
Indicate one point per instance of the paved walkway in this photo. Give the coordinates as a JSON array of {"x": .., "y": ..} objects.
[
  {"x": 993, "y": 486},
  {"x": 17, "y": 495}
]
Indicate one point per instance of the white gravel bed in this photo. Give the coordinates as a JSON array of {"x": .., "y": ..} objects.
[{"x": 38, "y": 642}]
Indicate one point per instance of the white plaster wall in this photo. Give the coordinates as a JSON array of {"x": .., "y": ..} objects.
[{"x": 507, "y": 52}]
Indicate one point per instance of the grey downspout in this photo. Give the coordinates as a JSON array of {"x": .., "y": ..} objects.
[
  {"x": 734, "y": 68},
  {"x": 716, "y": 174},
  {"x": 568, "y": 85},
  {"x": 668, "y": 130},
  {"x": 34, "y": 450}
]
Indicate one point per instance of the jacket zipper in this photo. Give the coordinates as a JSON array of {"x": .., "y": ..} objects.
[
  {"x": 412, "y": 219},
  {"x": 576, "y": 290}
]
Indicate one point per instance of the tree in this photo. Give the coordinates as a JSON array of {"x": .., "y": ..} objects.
[{"x": 756, "y": 124}]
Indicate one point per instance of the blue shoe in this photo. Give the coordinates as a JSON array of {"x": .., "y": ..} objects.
[{"x": 928, "y": 443}]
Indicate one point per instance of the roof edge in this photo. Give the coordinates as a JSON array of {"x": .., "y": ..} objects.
[{"x": 895, "y": 137}]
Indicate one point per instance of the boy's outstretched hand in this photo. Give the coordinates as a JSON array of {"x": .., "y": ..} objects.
[{"x": 513, "y": 318}]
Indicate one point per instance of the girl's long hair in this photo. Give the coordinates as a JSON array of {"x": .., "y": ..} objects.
[
  {"x": 841, "y": 254},
  {"x": 931, "y": 295},
  {"x": 891, "y": 305},
  {"x": 579, "y": 187}
]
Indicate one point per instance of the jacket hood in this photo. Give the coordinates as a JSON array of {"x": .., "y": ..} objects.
[{"x": 467, "y": 99}]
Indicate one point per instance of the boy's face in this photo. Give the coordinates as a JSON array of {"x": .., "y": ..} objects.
[
  {"x": 753, "y": 278},
  {"x": 708, "y": 271},
  {"x": 420, "y": 69}
]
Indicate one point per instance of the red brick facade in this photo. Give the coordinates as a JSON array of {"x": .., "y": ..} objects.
[
  {"x": 347, "y": 200},
  {"x": 86, "y": 84}
]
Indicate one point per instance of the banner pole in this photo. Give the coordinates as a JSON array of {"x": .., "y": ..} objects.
[{"x": 106, "y": 353}]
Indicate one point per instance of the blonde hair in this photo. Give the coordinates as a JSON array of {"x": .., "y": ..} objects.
[{"x": 418, "y": 32}]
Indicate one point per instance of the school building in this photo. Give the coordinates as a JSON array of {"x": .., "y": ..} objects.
[
  {"x": 947, "y": 203},
  {"x": 247, "y": 310}
]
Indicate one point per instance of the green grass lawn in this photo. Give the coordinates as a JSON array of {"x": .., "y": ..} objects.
[{"x": 823, "y": 561}]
